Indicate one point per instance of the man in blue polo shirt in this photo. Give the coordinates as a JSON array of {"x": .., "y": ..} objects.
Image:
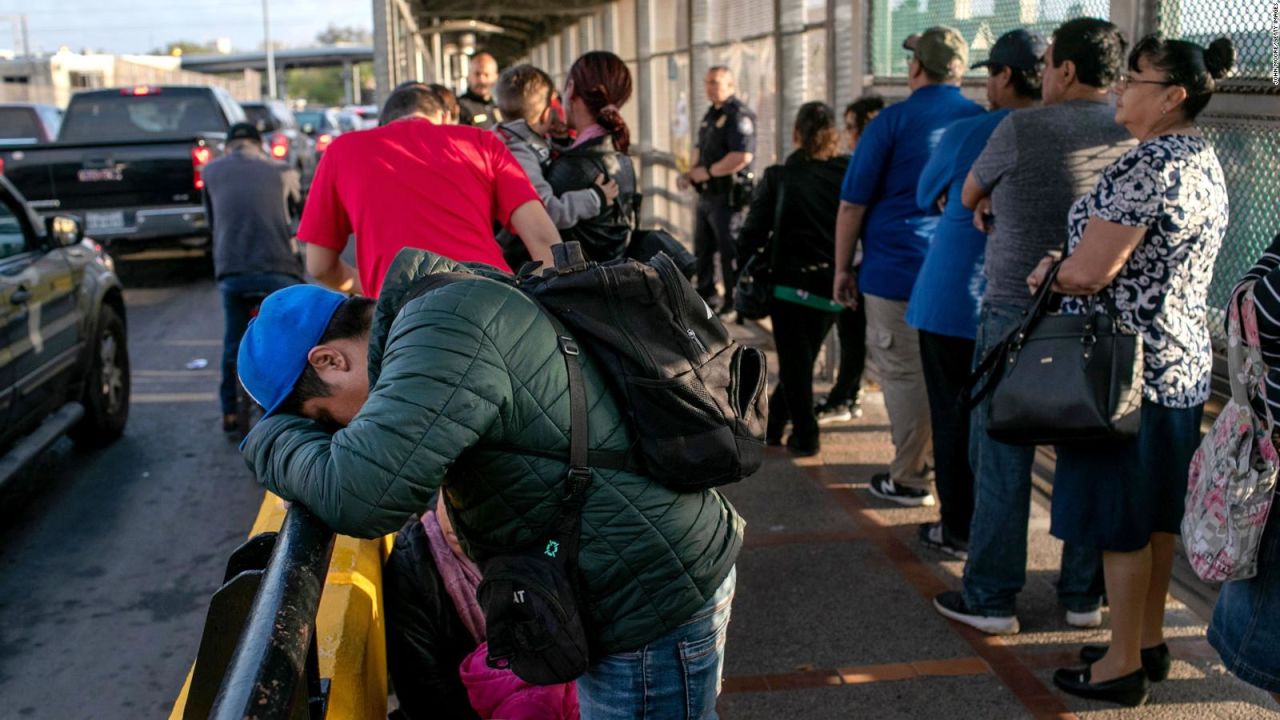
[{"x": 878, "y": 204}]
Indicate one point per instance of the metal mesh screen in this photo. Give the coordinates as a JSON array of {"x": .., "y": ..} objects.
[
  {"x": 1247, "y": 22},
  {"x": 979, "y": 21},
  {"x": 1247, "y": 150}
]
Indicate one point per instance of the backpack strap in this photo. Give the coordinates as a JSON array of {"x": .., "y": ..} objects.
[{"x": 578, "y": 478}]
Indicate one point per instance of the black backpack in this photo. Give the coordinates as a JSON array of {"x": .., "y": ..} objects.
[{"x": 695, "y": 398}]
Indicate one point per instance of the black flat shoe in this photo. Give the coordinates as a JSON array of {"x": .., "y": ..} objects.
[
  {"x": 1130, "y": 690},
  {"x": 1156, "y": 661},
  {"x": 800, "y": 450}
]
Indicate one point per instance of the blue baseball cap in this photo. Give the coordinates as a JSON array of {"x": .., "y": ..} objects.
[
  {"x": 1020, "y": 48},
  {"x": 273, "y": 352}
]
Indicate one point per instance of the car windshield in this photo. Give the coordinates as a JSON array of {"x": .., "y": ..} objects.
[
  {"x": 18, "y": 125},
  {"x": 140, "y": 117},
  {"x": 314, "y": 118},
  {"x": 259, "y": 116}
]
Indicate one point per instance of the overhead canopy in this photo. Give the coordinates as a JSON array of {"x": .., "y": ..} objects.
[
  {"x": 292, "y": 57},
  {"x": 505, "y": 29}
]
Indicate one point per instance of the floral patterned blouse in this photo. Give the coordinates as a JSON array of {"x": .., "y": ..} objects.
[{"x": 1172, "y": 185}]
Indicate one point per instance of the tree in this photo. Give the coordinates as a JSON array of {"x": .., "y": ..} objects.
[
  {"x": 185, "y": 47},
  {"x": 336, "y": 35}
]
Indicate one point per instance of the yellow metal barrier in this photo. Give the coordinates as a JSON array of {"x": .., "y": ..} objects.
[{"x": 349, "y": 625}]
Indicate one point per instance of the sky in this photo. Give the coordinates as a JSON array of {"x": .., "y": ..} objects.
[{"x": 137, "y": 26}]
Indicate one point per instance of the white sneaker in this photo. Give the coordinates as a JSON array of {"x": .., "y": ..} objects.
[{"x": 1091, "y": 619}]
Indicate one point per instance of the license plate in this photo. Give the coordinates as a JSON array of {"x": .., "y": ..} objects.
[{"x": 104, "y": 221}]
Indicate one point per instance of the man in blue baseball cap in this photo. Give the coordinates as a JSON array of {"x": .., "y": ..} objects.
[
  {"x": 944, "y": 301},
  {"x": 307, "y": 354},
  {"x": 459, "y": 386}
]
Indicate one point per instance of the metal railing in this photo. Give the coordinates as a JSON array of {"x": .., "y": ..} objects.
[{"x": 267, "y": 606}]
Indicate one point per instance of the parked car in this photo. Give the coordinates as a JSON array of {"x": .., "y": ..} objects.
[
  {"x": 283, "y": 133},
  {"x": 65, "y": 354},
  {"x": 322, "y": 125},
  {"x": 127, "y": 163},
  {"x": 349, "y": 120},
  {"x": 28, "y": 124}
]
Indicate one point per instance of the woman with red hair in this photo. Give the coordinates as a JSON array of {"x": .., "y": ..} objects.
[{"x": 599, "y": 84}]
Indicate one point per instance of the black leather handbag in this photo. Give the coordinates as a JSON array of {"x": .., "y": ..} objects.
[
  {"x": 755, "y": 278},
  {"x": 1061, "y": 379}
]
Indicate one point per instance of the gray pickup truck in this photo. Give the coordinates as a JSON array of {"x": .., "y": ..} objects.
[
  {"x": 127, "y": 163},
  {"x": 64, "y": 360}
]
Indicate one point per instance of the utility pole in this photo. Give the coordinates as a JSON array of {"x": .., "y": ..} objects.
[
  {"x": 19, "y": 25},
  {"x": 271, "y": 54}
]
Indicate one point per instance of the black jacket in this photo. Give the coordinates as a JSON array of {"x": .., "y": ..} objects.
[
  {"x": 603, "y": 237},
  {"x": 805, "y": 254},
  {"x": 426, "y": 640}
]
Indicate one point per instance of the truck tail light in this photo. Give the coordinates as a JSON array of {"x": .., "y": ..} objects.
[
  {"x": 200, "y": 156},
  {"x": 1, "y": 166},
  {"x": 279, "y": 146},
  {"x": 140, "y": 91},
  {"x": 322, "y": 142}
]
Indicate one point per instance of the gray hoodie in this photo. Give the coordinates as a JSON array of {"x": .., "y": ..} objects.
[{"x": 532, "y": 152}]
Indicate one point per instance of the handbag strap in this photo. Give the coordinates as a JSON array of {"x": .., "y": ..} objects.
[
  {"x": 779, "y": 203},
  {"x": 982, "y": 381},
  {"x": 1239, "y": 350}
]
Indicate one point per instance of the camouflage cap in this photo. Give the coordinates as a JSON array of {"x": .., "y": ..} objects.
[{"x": 940, "y": 49}]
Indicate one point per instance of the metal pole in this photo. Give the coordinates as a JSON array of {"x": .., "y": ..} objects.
[
  {"x": 271, "y": 55},
  {"x": 266, "y": 671},
  {"x": 26, "y": 39}
]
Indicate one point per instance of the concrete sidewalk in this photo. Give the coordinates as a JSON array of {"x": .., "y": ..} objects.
[{"x": 834, "y": 618}]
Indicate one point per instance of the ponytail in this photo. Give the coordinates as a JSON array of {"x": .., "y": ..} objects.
[{"x": 603, "y": 83}]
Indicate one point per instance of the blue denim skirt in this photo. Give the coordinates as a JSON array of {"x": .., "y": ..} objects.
[
  {"x": 1246, "y": 621},
  {"x": 1114, "y": 495}
]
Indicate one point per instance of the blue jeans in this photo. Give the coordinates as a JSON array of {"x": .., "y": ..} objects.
[
  {"x": 997, "y": 566},
  {"x": 1246, "y": 621},
  {"x": 676, "y": 677},
  {"x": 240, "y": 295}
]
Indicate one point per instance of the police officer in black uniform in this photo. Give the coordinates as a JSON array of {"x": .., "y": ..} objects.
[
  {"x": 477, "y": 103},
  {"x": 726, "y": 144}
]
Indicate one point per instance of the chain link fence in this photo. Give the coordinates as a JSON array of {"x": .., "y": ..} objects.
[
  {"x": 1247, "y": 22},
  {"x": 1247, "y": 150},
  {"x": 1247, "y": 146},
  {"x": 979, "y": 22}
]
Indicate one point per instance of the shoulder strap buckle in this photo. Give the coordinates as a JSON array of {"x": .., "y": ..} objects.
[{"x": 576, "y": 481}]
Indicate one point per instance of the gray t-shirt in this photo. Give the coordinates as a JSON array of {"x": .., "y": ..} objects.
[
  {"x": 1037, "y": 162},
  {"x": 247, "y": 198}
]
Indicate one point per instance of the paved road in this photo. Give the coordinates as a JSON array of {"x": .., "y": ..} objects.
[{"x": 107, "y": 559}]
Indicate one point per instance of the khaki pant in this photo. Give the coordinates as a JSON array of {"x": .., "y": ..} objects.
[{"x": 894, "y": 348}]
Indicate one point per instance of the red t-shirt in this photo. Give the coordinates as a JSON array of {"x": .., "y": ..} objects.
[{"x": 412, "y": 183}]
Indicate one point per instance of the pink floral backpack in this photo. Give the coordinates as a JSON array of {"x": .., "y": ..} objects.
[{"x": 1232, "y": 478}]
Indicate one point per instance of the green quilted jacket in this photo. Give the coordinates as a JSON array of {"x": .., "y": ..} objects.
[{"x": 459, "y": 376}]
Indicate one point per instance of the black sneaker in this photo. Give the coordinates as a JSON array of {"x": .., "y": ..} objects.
[
  {"x": 886, "y": 489},
  {"x": 951, "y": 605},
  {"x": 932, "y": 535}
]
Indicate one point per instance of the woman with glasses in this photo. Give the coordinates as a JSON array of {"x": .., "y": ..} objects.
[{"x": 1143, "y": 242}]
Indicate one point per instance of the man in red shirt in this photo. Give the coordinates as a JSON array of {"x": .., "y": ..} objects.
[{"x": 412, "y": 183}]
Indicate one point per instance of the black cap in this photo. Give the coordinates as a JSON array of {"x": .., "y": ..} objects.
[
  {"x": 1022, "y": 49},
  {"x": 244, "y": 131}
]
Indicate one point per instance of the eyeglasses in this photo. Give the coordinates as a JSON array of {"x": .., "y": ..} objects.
[{"x": 1126, "y": 80}]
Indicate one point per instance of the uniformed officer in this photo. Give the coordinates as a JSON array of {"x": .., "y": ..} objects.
[
  {"x": 477, "y": 103},
  {"x": 726, "y": 144}
]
